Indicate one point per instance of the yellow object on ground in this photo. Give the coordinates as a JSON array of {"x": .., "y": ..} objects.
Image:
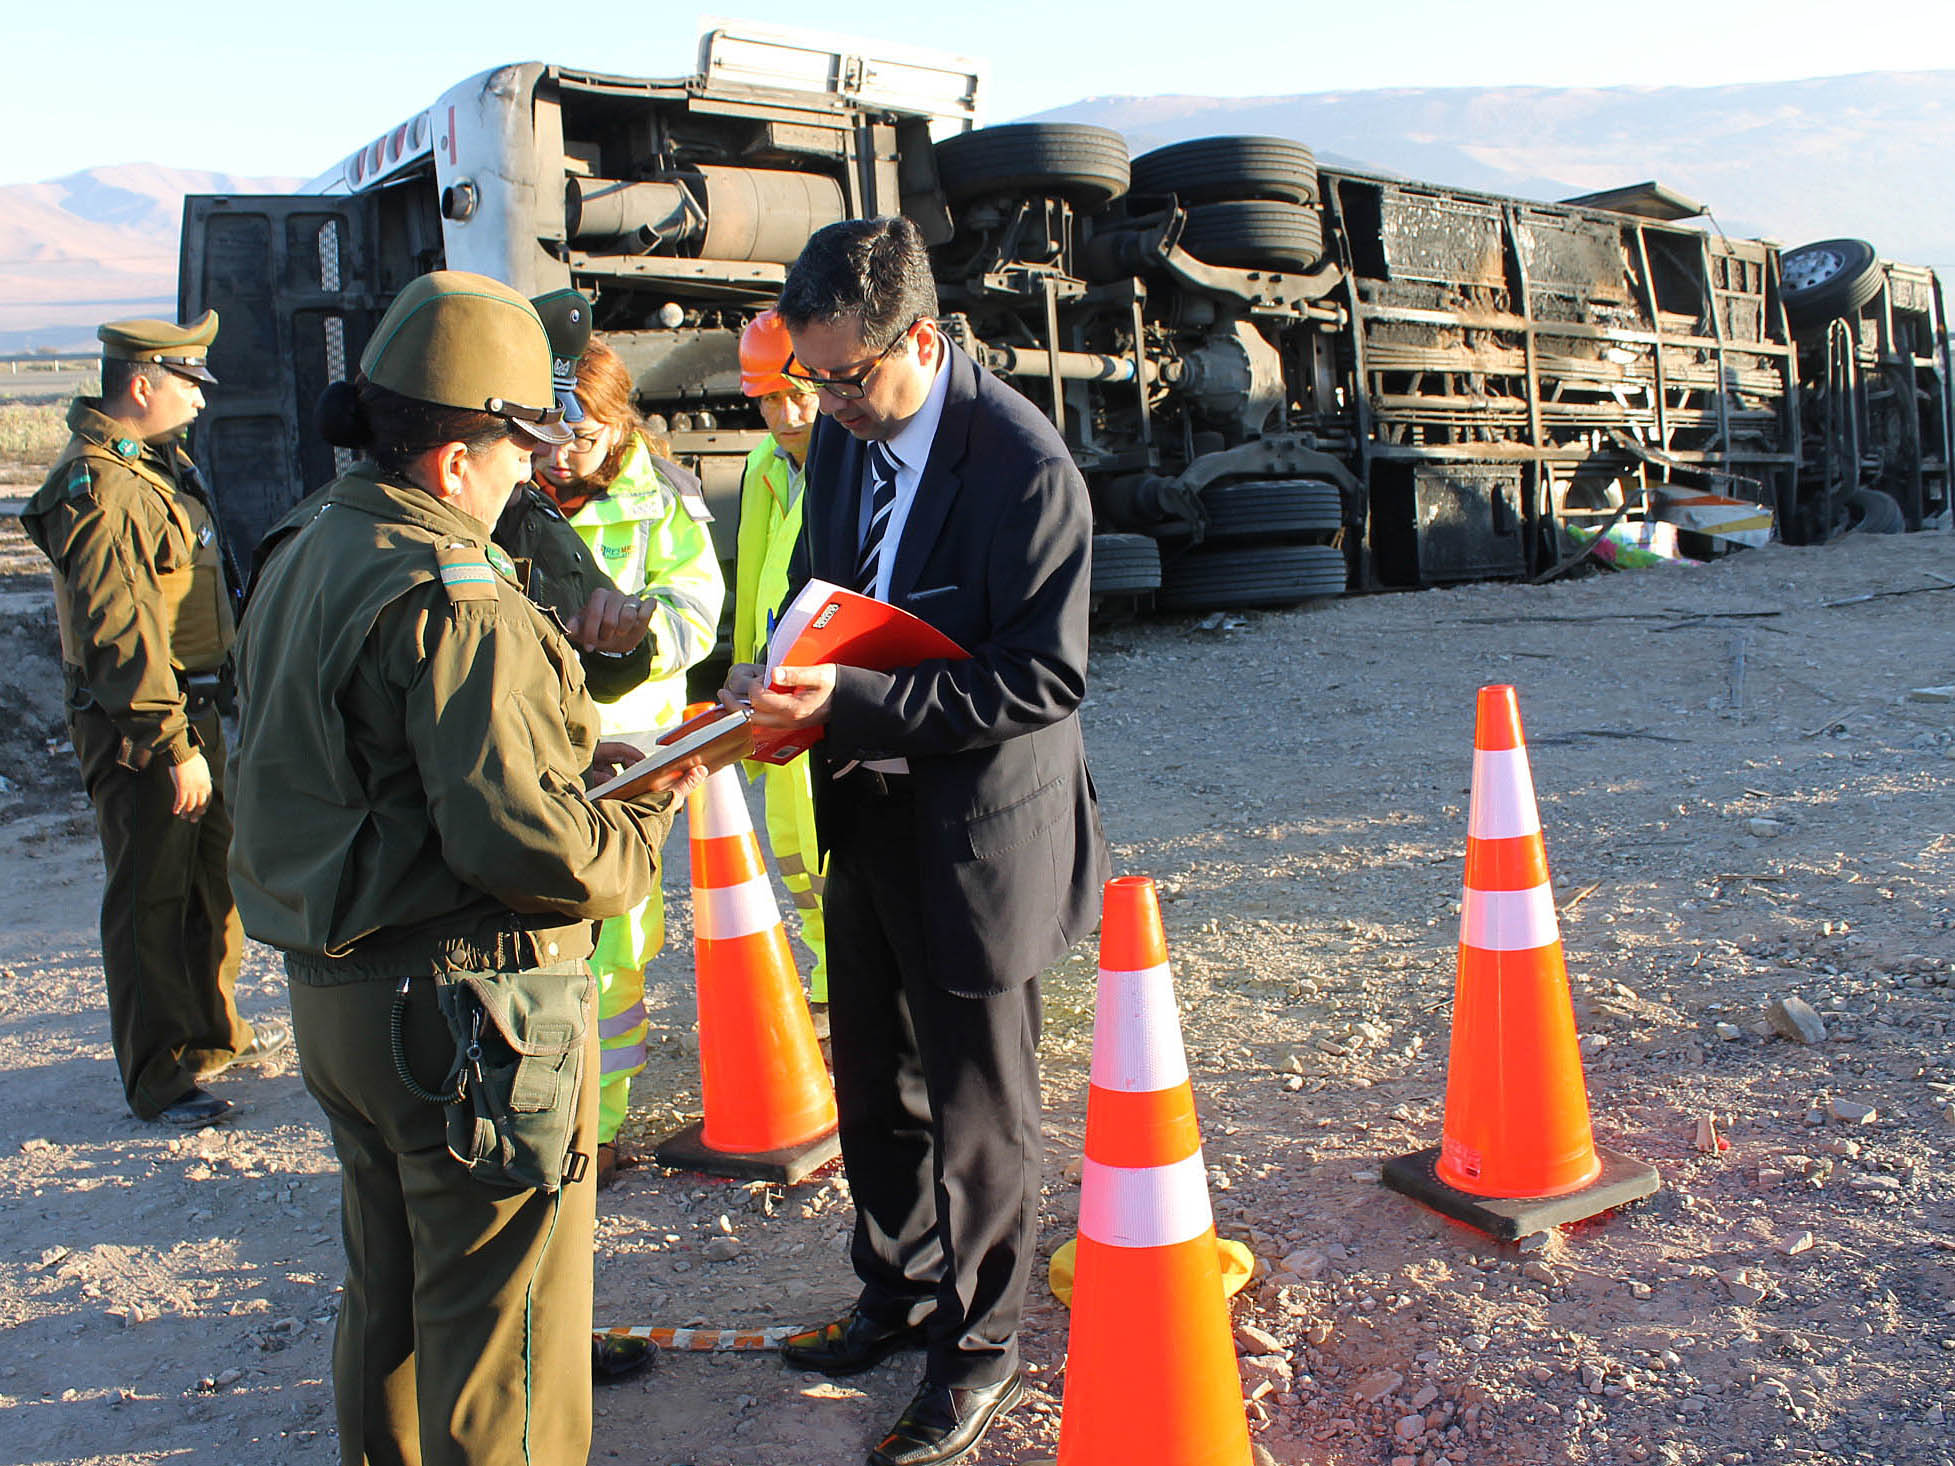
[{"x": 1238, "y": 1266}]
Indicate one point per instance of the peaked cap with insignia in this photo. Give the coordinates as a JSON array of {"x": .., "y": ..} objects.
[{"x": 180, "y": 348}]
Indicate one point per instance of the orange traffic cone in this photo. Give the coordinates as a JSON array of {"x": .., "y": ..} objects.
[
  {"x": 769, "y": 1108},
  {"x": 1517, "y": 1153},
  {"x": 1150, "y": 1364}
]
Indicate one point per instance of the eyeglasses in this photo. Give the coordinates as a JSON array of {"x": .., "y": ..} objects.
[
  {"x": 851, "y": 387},
  {"x": 586, "y": 441}
]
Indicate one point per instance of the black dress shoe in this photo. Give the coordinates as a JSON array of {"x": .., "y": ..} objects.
[
  {"x": 195, "y": 1110},
  {"x": 944, "y": 1423},
  {"x": 613, "y": 1357},
  {"x": 849, "y": 1345},
  {"x": 269, "y": 1039}
]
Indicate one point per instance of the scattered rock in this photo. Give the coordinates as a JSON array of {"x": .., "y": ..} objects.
[
  {"x": 1852, "y": 1112},
  {"x": 1475, "y": 1343},
  {"x": 1250, "y": 1339},
  {"x": 1378, "y": 1384},
  {"x": 1764, "y": 827},
  {"x": 1709, "y": 1142},
  {"x": 1541, "y": 1273},
  {"x": 1306, "y": 1263},
  {"x": 1797, "y": 1243},
  {"x": 1795, "y": 1018},
  {"x": 1729, "y": 1031},
  {"x": 721, "y": 1249},
  {"x": 1931, "y": 694},
  {"x": 1533, "y": 1242},
  {"x": 1410, "y": 1427},
  {"x": 1638, "y": 1288},
  {"x": 1426, "y": 1395}
]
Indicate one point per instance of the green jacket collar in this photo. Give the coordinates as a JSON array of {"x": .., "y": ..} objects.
[
  {"x": 87, "y": 421},
  {"x": 364, "y": 487}
]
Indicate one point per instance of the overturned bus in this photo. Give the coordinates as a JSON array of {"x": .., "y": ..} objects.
[{"x": 1279, "y": 380}]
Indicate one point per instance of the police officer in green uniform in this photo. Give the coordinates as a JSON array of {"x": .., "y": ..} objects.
[
  {"x": 412, "y": 833},
  {"x": 145, "y": 616},
  {"x": 554, "y": 566}
]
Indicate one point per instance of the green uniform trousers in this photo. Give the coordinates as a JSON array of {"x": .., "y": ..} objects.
[
  {"x": 464, "y": 1332},
  {"x": 170, "y": 933}
]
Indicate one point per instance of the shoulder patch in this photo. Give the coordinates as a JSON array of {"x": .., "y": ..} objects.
[
  {"x": 80, "y": 480},
  {"x": 499, "y": 560},
  {"x": 465, "y": 572},
  {"x": 127, "y": 448}
]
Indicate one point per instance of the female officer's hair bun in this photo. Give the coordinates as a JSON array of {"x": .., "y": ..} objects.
[{"x": 341, "y": 418}]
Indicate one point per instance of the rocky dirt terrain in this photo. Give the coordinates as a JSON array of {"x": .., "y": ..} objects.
[{"x": 1748, "y": 796}]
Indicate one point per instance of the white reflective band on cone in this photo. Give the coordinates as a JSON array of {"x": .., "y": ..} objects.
[
  {"x": 1149, "y": 1206},
  {"x": 735, "y": 911},
  {"x": 720, "y": 809},
  {"x": 1508, "y": 921},
  {"x": 1503, "y": 796},
  {"x": 1137, "y": 1032}
]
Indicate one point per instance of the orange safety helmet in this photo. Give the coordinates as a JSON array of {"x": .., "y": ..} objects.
[{"x": 764, "y": 350}]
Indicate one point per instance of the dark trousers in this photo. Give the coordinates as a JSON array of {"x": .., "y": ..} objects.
[
  {"x": 939, "y": 1104},
  {"x": 170, "y": 933},
  {"x": 464, "y": 1332}
]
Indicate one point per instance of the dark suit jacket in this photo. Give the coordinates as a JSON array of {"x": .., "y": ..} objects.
[{"x": 996, "y": 554}]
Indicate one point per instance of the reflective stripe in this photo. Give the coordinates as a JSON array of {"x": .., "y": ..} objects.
[
  {"x": 620, "y": 1024},
  {"x": 1137, "y": 1033},
  {"x": 1141, "y": 1127},
  {"x": 626, "y": 1057},
  {"x": 720, "y": 809},
  {"x": 1155, "y": 1206},
  {"x": 791, "y": 864},
  {"x": 1509, "y": 921},
  {"x": 1503, "y": 795},
  {"x": 805, "y": 900},
  {"x": 734, "y": 911}
]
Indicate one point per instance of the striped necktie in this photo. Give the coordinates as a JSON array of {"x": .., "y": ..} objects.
[{"x": 882, "y": 477}]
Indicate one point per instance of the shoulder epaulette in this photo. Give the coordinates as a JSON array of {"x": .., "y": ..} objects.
[{"x": 466, "y": 573}]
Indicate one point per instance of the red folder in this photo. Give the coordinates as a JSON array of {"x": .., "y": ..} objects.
[{"x": 825, "y": 623}]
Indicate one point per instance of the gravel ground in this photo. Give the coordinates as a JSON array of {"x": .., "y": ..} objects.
[{"x": 1745, "y": 797}]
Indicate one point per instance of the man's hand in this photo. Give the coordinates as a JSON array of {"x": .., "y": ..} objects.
[
  {"x": 797, "y": 697},
  {"x": 191, "y": 779},
  {"x": 608, "y": 761},
  {"x": 611, "y": 621}
]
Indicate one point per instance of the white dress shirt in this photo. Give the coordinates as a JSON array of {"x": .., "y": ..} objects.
[{"x": 911, "y": 450}]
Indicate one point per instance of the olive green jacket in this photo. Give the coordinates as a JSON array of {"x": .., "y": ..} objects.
[
  {"x": 408, "y": 791},
  {"x": 112, "y": 521},
  {"x": 554, "y": 567}
]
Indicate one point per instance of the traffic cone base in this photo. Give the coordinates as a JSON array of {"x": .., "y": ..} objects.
[
  {"x": 1517, "y": 1153},
  {"x": 1619, "y": 1181},
  {"x": 769, "y": 1110}
]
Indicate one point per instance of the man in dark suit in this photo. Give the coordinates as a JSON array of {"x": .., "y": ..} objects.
[{"x": 965, "y": 852}]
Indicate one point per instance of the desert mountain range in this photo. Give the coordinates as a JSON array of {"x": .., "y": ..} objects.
[{"x": 1866, "y": 155}]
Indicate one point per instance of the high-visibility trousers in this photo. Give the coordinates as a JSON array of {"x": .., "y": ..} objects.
[
  {"x": 790, "y": 818},
  {"x": 624, "y": 945}
]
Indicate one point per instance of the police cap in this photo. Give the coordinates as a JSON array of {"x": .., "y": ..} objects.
[
  {"x": 465, "y": 340},
  {"x": 566, "y": 316},
  {"x": 180, "y": 348}
]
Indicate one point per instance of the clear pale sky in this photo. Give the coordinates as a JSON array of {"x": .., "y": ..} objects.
[{"x": 241, "y": 86}]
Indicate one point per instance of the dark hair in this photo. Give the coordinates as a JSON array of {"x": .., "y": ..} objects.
[
  {"x": 117, "y": 374},
  {"x": 876, "y": 270},
  {"x": 394, "y": 430}
]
